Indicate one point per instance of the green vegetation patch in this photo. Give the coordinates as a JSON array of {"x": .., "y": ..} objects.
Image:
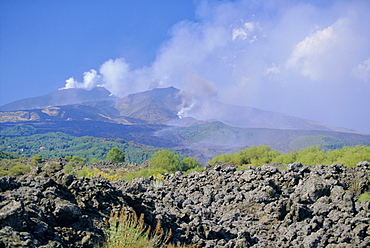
[
  {"x": 165, "y": 161},
  {"x": 214, "y": 132},
  {"x": 313, "y": 140},
  {"x": 364, "y": 197},
  {"x": 19, "y": 130},
  {"x": 8, "y": 155},
  {"x": 13, "y": 168},
  {"x": 313, "y": 155},
  {"x": 55, "y": 145},
  {"x": 254, "y": 156}
]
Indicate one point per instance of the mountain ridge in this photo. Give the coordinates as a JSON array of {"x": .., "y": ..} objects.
[
  {"x": 157, "y": 106},
  {"x": 59, "y": 97}
]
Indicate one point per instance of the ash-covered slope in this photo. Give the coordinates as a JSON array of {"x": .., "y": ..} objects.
[
  {"x": 168, "y": 105},
  {"x": 158, "y": 106},
  {"x": 300, "y": 206}
]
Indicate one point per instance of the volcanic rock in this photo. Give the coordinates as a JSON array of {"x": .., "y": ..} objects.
[{"x": 301, "y": 206}]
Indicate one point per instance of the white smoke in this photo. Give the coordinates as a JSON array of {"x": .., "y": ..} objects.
[
  {"x": 116, "y": 76},
  {"x": 265, "y": 54},
  {"x": 185, "y": 109},
  {"x": 90, "y": 80}
]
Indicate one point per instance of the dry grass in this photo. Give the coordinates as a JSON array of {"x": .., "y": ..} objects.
[{"x": 128, "y": 231}]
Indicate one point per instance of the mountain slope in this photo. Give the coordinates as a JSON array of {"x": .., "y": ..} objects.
[
  {"x": 59, "y": 98},
  {"x": 168, "y": 105},
  {"x": 221, "y": 136},
  {"x": 158, "y": 106}
]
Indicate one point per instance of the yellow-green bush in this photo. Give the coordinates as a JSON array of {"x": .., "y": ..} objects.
[
  {"x": 85, "y": 172},
  {"x": 364, "y": 197},
  {"x": 165, "y": 161},
  {"x": 36, "y": 159},
  {"x": 12, "y": 167},
  {"x": 17, "y": 169},
  {"x": 89, "y": 173},
  {"x": 314, "y": 155},
  {"x": 254, "y": 156}
]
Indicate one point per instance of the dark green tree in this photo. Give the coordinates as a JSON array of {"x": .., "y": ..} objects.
[
  {"x": 115, "y": 155},
  {"x": 189, "y": 163}
]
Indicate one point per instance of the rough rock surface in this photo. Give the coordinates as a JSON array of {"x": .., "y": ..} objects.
[
  {"x": 109, "y": 166},
  {"x": 47, "y": 208},
  {"x": 301, "y": 206}
]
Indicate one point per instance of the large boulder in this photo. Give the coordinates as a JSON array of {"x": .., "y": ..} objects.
[{"x": 55, "y": 210}]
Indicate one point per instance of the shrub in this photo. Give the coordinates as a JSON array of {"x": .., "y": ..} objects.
[
  {"x": 313, "y": 155},
  {"x": 94, "y": 160},
  {"x": 255, "y": 156},
  {"x": 142, "y": 173},
  {"x": 189, "y": 164},
  {"x": 165, "y": 160},
  {"x": 110, "y": 176},
  {"x": 85, "y": 172},
  {"x": 35, "y": 159},
  {"x": 364, "y": 197},
  {"x": 68, "y": 169},
  {"x": 17, "y": 169},
  {"x": 158, "y": 180},
  {"x": 77, "y": 160},
  {"x": 116, "y": 156},
  {"x": 126, "y": 230},
  {"x": 3, "y": 172}
]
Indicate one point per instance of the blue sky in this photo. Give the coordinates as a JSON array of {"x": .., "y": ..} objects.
[
  {"x": 45, "y": 42},
  {"x": 309, "y": 59}
]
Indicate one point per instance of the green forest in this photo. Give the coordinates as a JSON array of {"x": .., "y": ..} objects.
[{"x": 56, "y": 144}]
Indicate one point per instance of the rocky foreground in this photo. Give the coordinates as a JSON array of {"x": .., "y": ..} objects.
[{"x": 301, "y": 206}]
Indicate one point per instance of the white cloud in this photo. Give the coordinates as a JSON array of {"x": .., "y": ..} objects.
[
  {"x": 307, "y": 54},
  {"x": 362, "y": 71},
  {"x": 273, "y": 70},
  {"x": 248, "y": 31}
]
